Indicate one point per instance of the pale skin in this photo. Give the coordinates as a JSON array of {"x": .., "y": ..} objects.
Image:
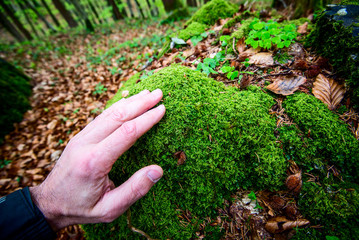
[{"x": 78, "y": 190}]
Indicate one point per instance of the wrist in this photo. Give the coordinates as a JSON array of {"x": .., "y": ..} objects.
[{"x": 47, "y": 208}]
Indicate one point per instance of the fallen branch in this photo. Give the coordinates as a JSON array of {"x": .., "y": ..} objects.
[{"x": 129, "y": 224}]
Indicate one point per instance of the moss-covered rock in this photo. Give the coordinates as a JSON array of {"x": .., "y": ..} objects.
[
  {"x": 14, "y": 92},
  {"x": 336, "y": 37},
  {"x": 231, "y": 142},
  {"x": 191, "y": 30},
  {"x": 212, "y": 11}
]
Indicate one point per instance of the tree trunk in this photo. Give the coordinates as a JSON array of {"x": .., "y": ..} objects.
[
  {"x": 33, "y": 8},
  {"x": 93, "y": 9},
  {"x": 11, "y": 14},
  {"x": 116, "y": 12},
  {"x": 300, "y": 7},
  {"x": 23, "y": 9},
  {"x": 50, "y": 12},
  {"x": 10, "y": 28},
  {"x": 83, "y": 14},
  {"x": 66, "y": 14}
]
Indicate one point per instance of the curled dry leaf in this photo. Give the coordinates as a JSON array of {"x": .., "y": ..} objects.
[
  {"x": 303, "y": 29},
  {"x": 240, "y": 46},
  {"x": 294, "y": 181},
  {"x": 125, "y": 93},
  {"x": 263, "y": 59},
  {"x": 181, "y": 156},
  {"x": 281, "y": 224},
  {"x": 247, "y": 53},
  {"x": 287, "y": 85},
  {"x": 328, "y": 91}
]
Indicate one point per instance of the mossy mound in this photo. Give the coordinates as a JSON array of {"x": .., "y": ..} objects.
[
  {"x": 212, "y": 11},
  {"x": 231, "y": 142},
  {"x": 191, "y": 30},
  {"x": 14, "y": 92},
  {"x": 337, "y": 38}
]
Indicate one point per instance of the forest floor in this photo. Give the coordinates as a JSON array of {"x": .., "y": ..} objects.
[{"x": 74, "y": 76}]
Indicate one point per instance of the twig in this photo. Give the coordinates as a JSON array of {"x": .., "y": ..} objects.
[
  {"x": 135, "y": 229},
  {"x": 234, "y": 49}
]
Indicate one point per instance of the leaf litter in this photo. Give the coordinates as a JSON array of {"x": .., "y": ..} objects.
[{"x": 63, "y": 103}]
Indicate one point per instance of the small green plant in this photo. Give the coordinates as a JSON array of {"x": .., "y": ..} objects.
[
  {"x": 209, "y": 64},
  {"x": 4, "y": 163},
  {"x": 196, "y": 39},
  {"x": 282, "y": 58},
  {"x": 231, "y": 74},
  {"x": 271, "y": 33},
  {"x": 253, "y": 197},
  {"x": 147, "y": 74},
  {"x": 246, "y": 62},
  {"x": 115, "y": 70},
  {"x": 224, "y": 40},
  {"x": 99, "y": 89}
]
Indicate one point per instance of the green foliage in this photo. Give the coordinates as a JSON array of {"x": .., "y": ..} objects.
[
  {"x": 14, "y": 92},
  {"x": 194, "y": 29},
  {"x": 349, "y": 2},
  {"x": 4, "y": 163},
  {"x": 209, "y": 64},
  {"x": 231, "y": 74},
  {"x": 271, "y": 33},
  {"x": 176, "y": 15},
  {"x": 99, "y": 89},
  {"x": 335, "y": 42},
  {"x": 227, "y": 136},
  {"x": 282, "y": 58},
  {"x": 212, "y": 11}
]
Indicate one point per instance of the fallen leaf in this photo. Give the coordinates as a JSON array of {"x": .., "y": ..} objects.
[
  {"x": 281, "y": 224},
  {"x": 188, "y": 52},
  {"x": 125, "y": 93},
  {"x": 262, "y": 59},
  {"x": 52, "y": 124},
  {"x": 303, "y": 29},
  {"x": 181, "y": 156},
  {"x": 240, "y": 45},
  {"x": 294, "y": 182},
  {"x": 328, "y": 91},
  {"x": 286, "y": 86}
]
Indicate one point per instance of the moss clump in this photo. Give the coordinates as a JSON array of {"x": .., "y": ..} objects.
[
  {"x": 349, "y": 2},
  {"x": 318, "y": 141},
  {"x": 334, "y": 41},
  {"x": 191, "y": 30},
  {"x": 328, "y": 136},
  {"x": 212, "y": 11},
  {"x": 228, "y": 139},
  {"x": 245, "y": 15},
  {"x": 14, "y": 92}
]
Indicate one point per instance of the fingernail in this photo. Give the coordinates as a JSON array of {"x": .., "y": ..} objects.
[
  {"x": 154, "y": 175},
  {"x": 157, "y": 92}
]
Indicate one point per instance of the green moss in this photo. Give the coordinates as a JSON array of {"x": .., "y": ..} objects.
[
  {"x": 14, "y": 92},
  {"x": 212, "y": 11},
  {"x": 191, "y": 30},
  {"x": 242, "y": 32},
  {"x": 227, "y": 136},
  {"x": 329, "y": 139},
  {"x": 245, "y": 15},
  {"x": 349, "y": 2},
  {"x": 335, "y": 42}
]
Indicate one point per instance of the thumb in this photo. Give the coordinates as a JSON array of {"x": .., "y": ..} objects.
[{"x": 115, "y": 202}]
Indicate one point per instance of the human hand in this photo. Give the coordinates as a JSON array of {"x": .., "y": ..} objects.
[{"x": 78, "y": 189}]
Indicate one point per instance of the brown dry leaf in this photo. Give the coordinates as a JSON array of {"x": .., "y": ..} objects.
[
  {"x": 52, "y": 124},
  {"x": 303, "y": 29},
  {"x": 328, "y": 91},
  {"x": 294, "y": 182},
  {"x": 263, "y": 59},
  {"x": 286, "y": 86},
  {"x": 281, "y": 224},
  {"x": 181, "y": 156},
  {"x": 188, "y": 52},
  {"x": 240, "y": 46}
]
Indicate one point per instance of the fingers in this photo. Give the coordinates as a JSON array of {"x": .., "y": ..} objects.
[
  {"x": 117, "y": 201},
  {"x": 120, "y": 112},
  {"x": 124, "y": 137}
]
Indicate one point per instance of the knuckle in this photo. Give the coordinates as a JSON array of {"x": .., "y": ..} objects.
[
  {"x": 129, "y": 129},
  {"x": 118, "y": 114}
]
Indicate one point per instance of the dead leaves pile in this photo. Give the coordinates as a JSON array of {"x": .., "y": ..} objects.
[{"x": 63, "y": 103}]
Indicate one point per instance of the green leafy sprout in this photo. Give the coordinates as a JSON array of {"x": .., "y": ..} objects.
[
  {"x": 99, "y": 89},
  {"x": 269, "y": 34},
  {"x": 209, "y": 64}
]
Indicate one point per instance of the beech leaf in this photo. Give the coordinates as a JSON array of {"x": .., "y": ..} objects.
[
  {"x": 281, "y": 224},
  {"x": 328, "y": 91},
  {"x": 262, "y": 59},
  {"x": 286, "y": 86}
]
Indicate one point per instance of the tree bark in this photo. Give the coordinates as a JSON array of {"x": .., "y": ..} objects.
[
  {"x": 33, "y": 8},
  {"x": 23, "y": 9},
  {"x": 116, "y": 12},
  {"x": 16, "y": 21},
  {"x": 66, "y": 14},
  {"x": 10, "y": 28},
  {"x": 89, "y": 26},
  {"x": 50, "y": 12}
]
